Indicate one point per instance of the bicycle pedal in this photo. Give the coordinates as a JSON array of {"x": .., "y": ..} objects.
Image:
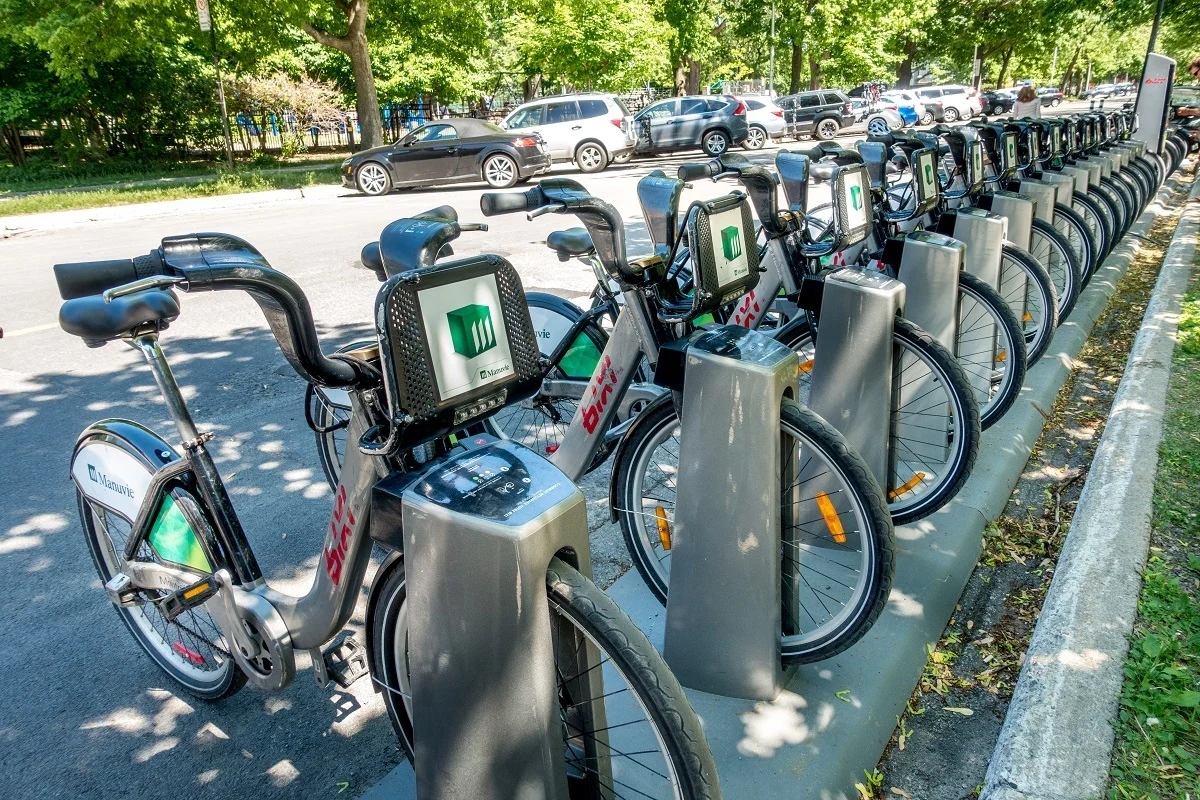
[
  {"x": 181, "y": 600},
  {"x": 345, "y": 660}
]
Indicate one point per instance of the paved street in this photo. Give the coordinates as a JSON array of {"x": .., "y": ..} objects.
[{"x": 84, "y": 711}]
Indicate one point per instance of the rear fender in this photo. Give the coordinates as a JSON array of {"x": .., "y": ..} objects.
[{"x": 393, "y": 561}]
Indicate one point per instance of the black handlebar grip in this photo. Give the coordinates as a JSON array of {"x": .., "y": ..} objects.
[
  {"x": 697, "y": 170},
  {"x": 493, "y": 203},
  {"x": 86, "y": 278}
]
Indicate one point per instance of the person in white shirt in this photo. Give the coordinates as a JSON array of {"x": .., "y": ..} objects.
[{"x": 1028, "y": 104}]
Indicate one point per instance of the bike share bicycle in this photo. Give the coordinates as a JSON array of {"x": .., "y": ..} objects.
[
  {"x": 479, "y": 532},
  {"x": 834, "y": 565}
]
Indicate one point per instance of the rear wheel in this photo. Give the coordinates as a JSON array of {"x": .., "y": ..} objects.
[
  {"x": 835, "y": 575},
  {"x": 951, "y": 114},
  {"x": 827, "y": 129},
  {"x": 1028, "y": 291},
  {"x": 651, "y": 744},
  {"x": 756, "y": 139},
  {"x": 591, "y": 157},
  {"x": 715, "y": 143},
  {"x": 191, "y": 649},
  {"x": 500, "y": 171}
]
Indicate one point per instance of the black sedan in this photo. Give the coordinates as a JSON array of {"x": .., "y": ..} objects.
[
  {"x": 448, "y": 151},
  {"x": 998, "y": 102}
]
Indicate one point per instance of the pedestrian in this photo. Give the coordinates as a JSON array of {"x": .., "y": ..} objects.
[
  {"x": 1027, "y": 104},
  {"x": 1188, "y": 111}
]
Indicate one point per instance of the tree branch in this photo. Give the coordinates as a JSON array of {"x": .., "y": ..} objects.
[{"x": 321, "y": 37}]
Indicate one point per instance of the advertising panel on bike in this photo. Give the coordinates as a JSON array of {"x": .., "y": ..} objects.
[
  {"x": 975, "y": 174},
  {"x": 724, "y": 249},
  {"x": 927, "y": 176},
  {"x": 1010, "y": 151},
  {"x": 468, "y": 343}
]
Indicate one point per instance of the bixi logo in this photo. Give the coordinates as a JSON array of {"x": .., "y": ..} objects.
[
  {"x": 731, "y": 242},
  {"x": 471, "y": 330},
  {"x": 99, "y": 477}
]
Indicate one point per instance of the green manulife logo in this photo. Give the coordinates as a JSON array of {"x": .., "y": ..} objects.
[
  {"x": 856, "y": 197},
  {"x": 731, "y": 242},
  {"x": 929, "y": 174},
  {"x": 471, "y": 330}
]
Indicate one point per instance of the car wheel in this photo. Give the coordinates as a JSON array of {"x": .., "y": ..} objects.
[
  {"x": 755, "y": 139},
  {"x": 1055, "y": 102},
  {"x": 997, "y": 109},
  {"x": 927, "y": 119},
  {"x": 623, "y": 158},
  {"x": 500, "y": 171},
  {"x": 591, "y": 157},
  {"x": 715, "y": 143},
  {"x": 373, "y": 179},
  {"x": 951, "y": 115},
  {"x": 827, "y": 129},
  {"x": 878, "y": 126}
]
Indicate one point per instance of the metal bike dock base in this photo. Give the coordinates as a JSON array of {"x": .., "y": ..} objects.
[
  {"x": 983, "y": 235},
  {"x": 724, "y": 613},
  {"x": 1065, "y": 185},
  {"x": 1018, "y": 209},
  {"x": 1046, "y": 195},
  {"x": 852, "y": 375},
  {"x": 480, "y": 529}
]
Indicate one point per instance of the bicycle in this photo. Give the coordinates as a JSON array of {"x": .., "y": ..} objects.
[
  {"x": 839, "y": 518},
  {"x": 177, "y": 566}
]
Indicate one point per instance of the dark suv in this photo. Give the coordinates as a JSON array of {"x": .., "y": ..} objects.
[
  {"x": 712, "y": 123},
  {"x": 821, "y": 113}
]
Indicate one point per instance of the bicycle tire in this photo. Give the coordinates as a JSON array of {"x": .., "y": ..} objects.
[
  {"x": 1144, "y": 178},
  {"x": 1116, "y": 209},
  {"x": 596, "y": 618},
  {"x": 1132, "y": 191},
  {"x": 989, "y": 340},
  {"x": 183, "y": 659},
  {"x": 1054, "y": 253},
  {"x": 828, "y": 459},
  {"x": 1091, "y": 212},
  {"x": 1028, "y": 290},
  {"x": 330, "y": 436},
  {"x": 1077, "y": 233}
]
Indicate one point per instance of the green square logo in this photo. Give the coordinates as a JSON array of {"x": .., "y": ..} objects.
[
  {"x": 856, "y": 197},
  {"x": 471, "y": 330},
  {"x": 929, "y": 174},
  {"x": 92, "y": 473},
  {"x": 731, "y": 242}
]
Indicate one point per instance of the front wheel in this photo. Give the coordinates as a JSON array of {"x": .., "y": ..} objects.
[
  {"x": 1028, "y": 291},
  {"x": 927, "y": 119},
  {"x": 990, "y": 348},
  {"x": 835, "y": 576},
  {"x": 652, "y": 738},
  {"x": 591, "y": 157},
  {"x": 373, "y": 179},
  {"x": 1079, "y": 236},
  {"x": 1054, "y": 253},
  {"x": 951, "y": 114}
]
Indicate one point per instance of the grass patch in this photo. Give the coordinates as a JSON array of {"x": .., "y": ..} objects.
[
  {"x": 229, "y": 183},
  {"x": 1157, "y": 753}
]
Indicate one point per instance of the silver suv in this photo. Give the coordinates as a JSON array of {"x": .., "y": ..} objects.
[{"x": 712, "y": 124}]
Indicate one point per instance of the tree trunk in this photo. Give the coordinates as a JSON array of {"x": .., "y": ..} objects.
[
  {"x": 10, "y": 138},
  {"x": 1004, "y": 67},
  {"x": 815, "y": 73},
  {"x": 680, "y": 80},
  {"x": 1070, "y": 67},
  {"x": 693, "y": 79},
  {"x": 904, "y": 69},
  {"x": 797, "y": 68},
  {"x": 354, "y": 44}
]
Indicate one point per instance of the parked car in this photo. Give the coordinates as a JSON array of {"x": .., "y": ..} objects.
[
  {"x": 1050, "y": 96},
  {"x": 1124, "y": 88},
  {"x": 448, "y": 151},
  {"x": 888, "y": 117},
  {"x": 765, "y": 121},
  {"x": 999, "y": 101},
  {"x": 958, "y": 102},
  {"x": 819, "y": 113},
  {"x": 905, "y": 97},
  {"x": 712, "y": 124},
  {"x": 592, "y": 130},
  {"x": 909, "y": 115},
  {"x": 1097, "y": 92}
]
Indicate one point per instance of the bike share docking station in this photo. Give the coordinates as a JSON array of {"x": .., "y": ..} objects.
[{"x": 478, "y": 528}]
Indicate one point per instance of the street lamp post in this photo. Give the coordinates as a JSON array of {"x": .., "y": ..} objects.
[
  {"x": 771, "y": 74},
  {"x": 206, "y": 25}
]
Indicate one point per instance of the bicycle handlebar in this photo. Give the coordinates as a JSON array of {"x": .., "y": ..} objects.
[
  {"x": 696, "y": 170},
  {"x": 215, "y": 262},
  {"x": 759, "y": 182}
]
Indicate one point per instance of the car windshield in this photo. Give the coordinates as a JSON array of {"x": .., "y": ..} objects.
[
  {"x": 431, "y": 133},
  {"x": 1185, "y": 95}
]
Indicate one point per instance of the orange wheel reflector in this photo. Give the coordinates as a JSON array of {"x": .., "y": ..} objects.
[
  {"x": 899, "y": 490},
  {"x": 1002, "y": 355},
  {"x": 1027, "y": 317},
  {"x": 806, "y": 366},
  {"x": 831, "y": 518},
  {"x": 664, "y": 527}
]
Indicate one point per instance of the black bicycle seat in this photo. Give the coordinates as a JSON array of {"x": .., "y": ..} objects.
[
  {"x": 822, "y": 170},
  {"x": 571, "y": 242},
  {"x": 416, "y": 242},
  {"x": 97, "y": 322}
]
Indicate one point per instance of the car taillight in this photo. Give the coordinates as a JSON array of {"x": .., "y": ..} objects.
[
  {"x": 776, "y": 113},
  {"x": 849, "y": 108},
  {"x": 526, "y": 141},
  {"x": 740, "y": 110},
  {"x": 618, "y": 123}
]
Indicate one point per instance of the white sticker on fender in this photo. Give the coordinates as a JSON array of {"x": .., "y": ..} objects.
[{"x": 112, "y": 477}]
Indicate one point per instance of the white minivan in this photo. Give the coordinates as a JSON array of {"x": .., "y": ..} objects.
[{"x": 591, "y": 130}]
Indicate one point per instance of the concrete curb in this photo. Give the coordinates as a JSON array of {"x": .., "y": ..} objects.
[{"x": 1056, "y": 741}]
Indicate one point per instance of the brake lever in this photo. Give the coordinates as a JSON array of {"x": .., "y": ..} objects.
[
  {"x": 157, "y": 282},
  {"x": 550, "y": 209}
]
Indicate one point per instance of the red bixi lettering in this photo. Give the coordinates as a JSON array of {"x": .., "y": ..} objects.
[
  {"x": 602, "y": 386},
  {"x": 341, "y": 525}
]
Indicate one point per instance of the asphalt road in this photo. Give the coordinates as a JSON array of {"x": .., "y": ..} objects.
[{"x": 84, "y": 712}]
